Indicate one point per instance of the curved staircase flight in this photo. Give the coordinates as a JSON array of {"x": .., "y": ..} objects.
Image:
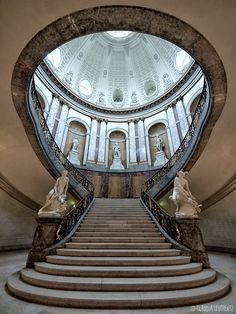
[{"x": 118, "y": 259}]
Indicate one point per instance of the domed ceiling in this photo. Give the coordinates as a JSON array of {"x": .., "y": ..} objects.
[{"x": 119, "y": 69}]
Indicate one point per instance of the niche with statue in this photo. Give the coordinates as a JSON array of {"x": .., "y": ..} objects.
[
  {"x": 117, "y": 151},
  {"x": 159, "y": 145},
  {"x": 75, "y": 143}
]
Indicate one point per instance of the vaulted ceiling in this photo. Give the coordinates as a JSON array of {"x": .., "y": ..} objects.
[{"x": 21, "y": 20}]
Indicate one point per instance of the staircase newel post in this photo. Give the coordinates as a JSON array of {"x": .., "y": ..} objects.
[
  {"x": 45, "y": 235},
  {"x": 191, "y": 237}
]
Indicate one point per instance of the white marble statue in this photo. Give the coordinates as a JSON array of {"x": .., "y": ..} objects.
[
  {"x": 159, "y": 143},
  {"x": 116, "y": 151},
  {"x": 186, "y": 204},
  {"x": 116, "y": 163},
  {"x": 55, "y": 203},
  {"x": 74, "y": 154},
  {"x": 160, "y": 154}
]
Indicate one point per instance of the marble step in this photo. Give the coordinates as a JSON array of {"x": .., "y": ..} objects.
[
  {"x": 33, "y": 277},
  {"x": 74, "y": 245},
  {"x": 117, "y": 252},
  {"x": 122, "y": 229},
  {"x": 118, "y": 219},
  {"x": 118, "y": 239},
  {"x": 118, "y": 225},
  {"x": 114, "y": 271},
  {"x": 117, "y": 234},
  {"x": 118, "y": 261},
  {"x": 118, "y": 300}
]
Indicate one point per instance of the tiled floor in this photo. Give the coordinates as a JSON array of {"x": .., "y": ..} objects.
[{"x": 11, "y": 262}]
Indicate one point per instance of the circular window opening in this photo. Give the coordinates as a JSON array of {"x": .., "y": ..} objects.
[
  {"x": 119, "y": 34},
  {"x": 182, "y": 60},
  {"x": 150, "y": 88},
  {"x": 85, "y": 88},
  {"x": 118, "y": 95},
  {"x": 55, "y": 57}
]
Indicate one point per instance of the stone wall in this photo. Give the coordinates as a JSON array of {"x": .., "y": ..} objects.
[
  {"x": 17, "y": 224},
  {"x": 117, "y": 185},
  {"x": 218, "y": 223}
]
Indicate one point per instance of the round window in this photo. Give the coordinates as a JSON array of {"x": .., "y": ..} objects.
[{"x": 85, "y": 88}]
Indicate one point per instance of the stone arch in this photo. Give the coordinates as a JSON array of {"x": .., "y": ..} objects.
[{"x": 120, "y": 17}]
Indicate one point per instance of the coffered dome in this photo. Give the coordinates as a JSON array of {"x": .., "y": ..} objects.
[{"x": 119, "y": 69}]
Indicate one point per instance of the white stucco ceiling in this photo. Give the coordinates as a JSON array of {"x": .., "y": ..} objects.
[{"x": 119, "y": 69}]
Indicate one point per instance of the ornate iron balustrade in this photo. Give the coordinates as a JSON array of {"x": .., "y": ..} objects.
[
  {"x": 187, "y": 141},
  {"x": 71, "y": 218},
  {"x": 75, "y": 173},
  {"x": 167, "y": 222}
]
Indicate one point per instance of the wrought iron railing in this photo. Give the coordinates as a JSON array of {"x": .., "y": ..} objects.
[
  {"x": 72, "y": 171},
  {"x": 71, "y": 218},
  {"x": 166, "y": 221}
]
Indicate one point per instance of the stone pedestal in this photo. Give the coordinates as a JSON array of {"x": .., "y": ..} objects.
[
  {"x": 116, "y": 164},
  {"x": 191, "y": 237},
  {"x": 44, "y": 237},
  {"x": 160, "y": 159},
  {"x": 73, "y": 157}
]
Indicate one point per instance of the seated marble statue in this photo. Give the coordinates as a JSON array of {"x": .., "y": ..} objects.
[
  {"x": 55, "y": 203},
  {"x": 186, "y": 204}
]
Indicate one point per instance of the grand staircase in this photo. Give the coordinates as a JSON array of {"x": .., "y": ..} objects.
[{"x": 118, "y": 259}]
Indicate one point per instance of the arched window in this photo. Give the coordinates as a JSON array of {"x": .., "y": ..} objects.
[
  {"x": 54, "y": 57},
  {"x": 182, "y": 60},
  {"x": 150, "y": 88}
]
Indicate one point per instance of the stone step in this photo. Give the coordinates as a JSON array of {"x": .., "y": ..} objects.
[
  {"x": 32, "y": 277},
  {"x": 118, "y": 271},
  {"x": 118, "y": 261},
  {"x": 118, "y": 300},
  {"x": 117, "y": 252},
  {"x": 74, "y": 245},
  {"x": 118, "y": 225},
  {"x": 116, "y": 234},
  {"x": 84, "y": 228},
  {"x": 118, "y": 240},
  {"x": 117, "y": 218}
]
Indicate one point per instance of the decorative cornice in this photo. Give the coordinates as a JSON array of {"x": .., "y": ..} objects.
[
  {"x": 48, "y": 73},
  {"x": 225, "y": 190},
  {"x": 6, "y": 186}
]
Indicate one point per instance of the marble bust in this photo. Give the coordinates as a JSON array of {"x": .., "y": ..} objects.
[
  {"x": 55, "y": 200},
  {"x": 186, "y": 204}
]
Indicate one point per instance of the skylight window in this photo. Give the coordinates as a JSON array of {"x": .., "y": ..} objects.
[
  {"x": 55, "y": 57},
  {"x": 119, "y": 34}
]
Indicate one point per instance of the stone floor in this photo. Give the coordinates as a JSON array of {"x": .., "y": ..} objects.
[{"x": 11, "y": 262}]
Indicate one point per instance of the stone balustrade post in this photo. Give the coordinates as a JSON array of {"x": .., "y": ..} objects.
[
  {"x": 44, "y": 237},
  {"x": 191, "y": 237}
]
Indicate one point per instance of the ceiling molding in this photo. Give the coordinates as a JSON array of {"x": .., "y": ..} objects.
[{"x": 6, "y": 186}]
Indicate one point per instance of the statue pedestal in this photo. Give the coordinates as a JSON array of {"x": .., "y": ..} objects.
[
  {"x": 116, "y": 164},
  {"x": 191, "y": 237},
  {"x": 73, "y": 157},
  {"x": 160, "y": 159},
  {"x": 45, "y": 236}
]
